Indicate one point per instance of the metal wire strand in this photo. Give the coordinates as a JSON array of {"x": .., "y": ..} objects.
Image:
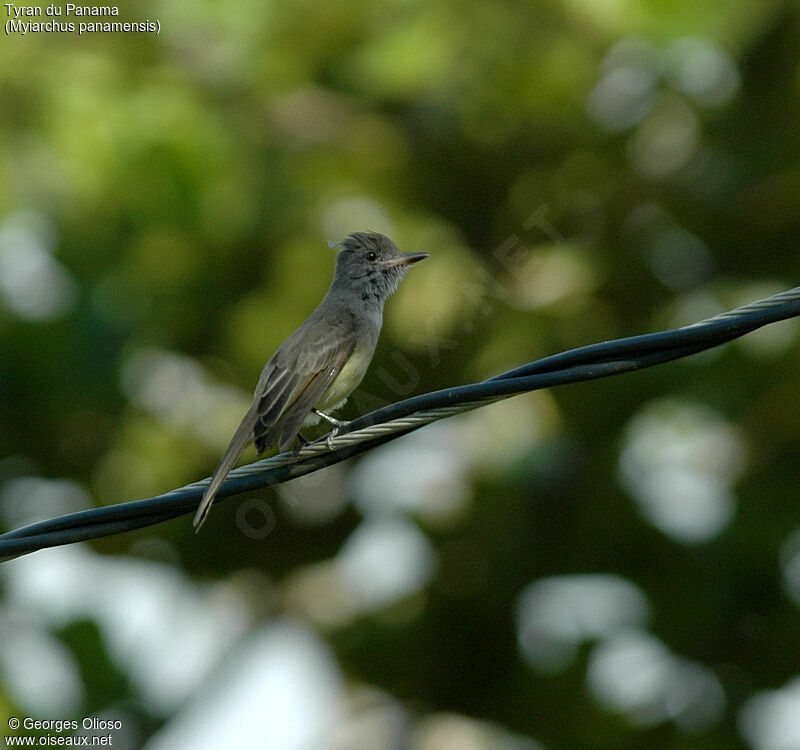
[{"x": 390, "y": 422}]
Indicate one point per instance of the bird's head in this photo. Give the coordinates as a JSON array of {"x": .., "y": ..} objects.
[{"x": 370, "y": 265}]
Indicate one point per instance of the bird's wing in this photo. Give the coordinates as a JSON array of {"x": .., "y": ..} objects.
[
  {"x": 275, "y": 389},
  {"x": 282, "y": 417},
  {"x": 287, "y": 427},
  {"x": 290, "y": 384}
]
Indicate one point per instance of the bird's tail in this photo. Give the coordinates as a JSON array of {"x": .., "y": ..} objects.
[{"x": 239, "y": 441}]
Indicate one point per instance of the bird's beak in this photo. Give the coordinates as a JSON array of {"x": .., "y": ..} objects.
[{"x": 406, "y": 259}]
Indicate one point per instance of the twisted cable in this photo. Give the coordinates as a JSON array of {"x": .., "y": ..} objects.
[{"x": 390, "y": 422}]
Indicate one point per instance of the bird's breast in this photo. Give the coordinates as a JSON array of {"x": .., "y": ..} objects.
[{"x": 349, "y": 377}]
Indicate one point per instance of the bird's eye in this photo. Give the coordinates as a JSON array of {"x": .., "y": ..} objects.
[{"x": 372, "y": 256}]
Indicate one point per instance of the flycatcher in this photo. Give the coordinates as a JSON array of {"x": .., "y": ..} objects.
[{"x": 321, "y": 363}]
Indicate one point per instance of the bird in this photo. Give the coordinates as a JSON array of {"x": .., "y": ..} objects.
[{"x": 317, "y": 368}]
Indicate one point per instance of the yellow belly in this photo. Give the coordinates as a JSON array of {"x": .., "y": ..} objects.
[{"x": 346, "y": 382}]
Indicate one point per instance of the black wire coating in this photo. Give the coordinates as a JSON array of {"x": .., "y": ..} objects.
[{"x": 576, "y": 365}]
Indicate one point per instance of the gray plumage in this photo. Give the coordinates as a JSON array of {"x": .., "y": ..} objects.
[{"x": 324, "y": 360}]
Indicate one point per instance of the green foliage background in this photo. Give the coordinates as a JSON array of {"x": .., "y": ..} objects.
[{"x": 186, "y": 184}]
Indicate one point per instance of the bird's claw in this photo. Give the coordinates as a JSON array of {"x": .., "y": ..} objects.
[
  {"x": 302, "y": 442},
  {"x": 337, "y": 425},
  {"x": 330, "y": 436}
]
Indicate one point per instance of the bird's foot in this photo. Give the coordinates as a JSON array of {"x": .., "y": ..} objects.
[
  {"x": 330, "y": 436},
  {"x": 335, "y": 422},
  {"x": 337, "y": 425},
  {"x": 302, "y": 442}
]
